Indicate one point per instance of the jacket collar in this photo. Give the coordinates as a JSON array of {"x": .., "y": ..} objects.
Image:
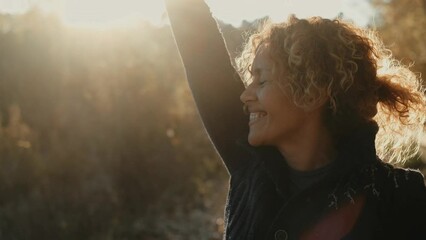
[{"x": 354, "y": 151}]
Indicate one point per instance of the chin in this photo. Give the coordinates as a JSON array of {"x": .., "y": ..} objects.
[{"x": 254, "y": 142}]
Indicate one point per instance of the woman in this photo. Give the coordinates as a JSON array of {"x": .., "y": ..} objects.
[{"x": 317, "y": 93}]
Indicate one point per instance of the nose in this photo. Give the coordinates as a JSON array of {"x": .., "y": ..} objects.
[{"x": 248, "y": 94}]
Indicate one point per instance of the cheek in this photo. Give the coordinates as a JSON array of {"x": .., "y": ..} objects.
[{"x": 285, "y": 115}]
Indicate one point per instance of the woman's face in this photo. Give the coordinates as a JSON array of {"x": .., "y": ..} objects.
[{"x": 274, "y": 118}]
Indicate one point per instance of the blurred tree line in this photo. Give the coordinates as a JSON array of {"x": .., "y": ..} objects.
[{"x": 99, "y": 135}]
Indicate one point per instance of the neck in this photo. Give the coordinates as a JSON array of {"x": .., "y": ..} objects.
[{"x": 312, "y": 148}]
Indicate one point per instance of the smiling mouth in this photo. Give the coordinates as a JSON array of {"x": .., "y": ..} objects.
[{"x": 254, "y": 117}]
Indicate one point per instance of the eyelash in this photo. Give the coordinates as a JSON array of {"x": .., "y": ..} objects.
[{"x": 261, "y": 83}]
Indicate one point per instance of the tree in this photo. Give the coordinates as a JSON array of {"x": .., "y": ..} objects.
[{"x": 401, "y": 24}]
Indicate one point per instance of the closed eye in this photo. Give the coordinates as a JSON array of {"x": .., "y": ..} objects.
[{"x": 262, "y": 82}]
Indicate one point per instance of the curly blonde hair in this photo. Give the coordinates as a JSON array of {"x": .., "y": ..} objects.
[{"x": 348, "y": 67}]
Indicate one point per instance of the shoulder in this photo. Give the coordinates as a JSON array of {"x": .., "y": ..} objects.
[
  {"x": 250, "y": 166},
  {"x": 399, "y": 186},
  {"x": 249, "y": 176},
  {"x": 251, "y": 162},
  {"x": 403, "y": 180},
  {"x": 253, "y": 172},
  {"x": 403, "y": 199}
]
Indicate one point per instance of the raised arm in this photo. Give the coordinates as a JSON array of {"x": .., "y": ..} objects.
[{"x": 215, "y": 85}]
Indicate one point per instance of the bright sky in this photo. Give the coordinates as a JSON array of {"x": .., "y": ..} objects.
[{"x": 105, "y": 13}]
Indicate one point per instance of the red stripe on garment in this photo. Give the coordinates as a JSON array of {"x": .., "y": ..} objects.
[{"x": 338, "y": 223}]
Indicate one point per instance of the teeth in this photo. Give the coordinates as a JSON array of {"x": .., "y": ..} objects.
[{"x": 256, "y": 115}]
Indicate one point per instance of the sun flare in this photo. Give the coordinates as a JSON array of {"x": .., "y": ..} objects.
[
  {"x": 101, "y": 13},
  {"x": 111, "y": 13}
]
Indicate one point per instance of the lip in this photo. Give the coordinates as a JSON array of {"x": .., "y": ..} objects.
[{"x": 256, "y": 117}]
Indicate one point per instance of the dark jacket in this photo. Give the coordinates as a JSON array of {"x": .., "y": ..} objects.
[{"x": 364, "y": 198}]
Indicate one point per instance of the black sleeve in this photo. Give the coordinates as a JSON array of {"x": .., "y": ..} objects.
[
  {"x": 215, "y": 85},
  {"x": 413, "y": 213},
  {"x": 407, "y": 218}
]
